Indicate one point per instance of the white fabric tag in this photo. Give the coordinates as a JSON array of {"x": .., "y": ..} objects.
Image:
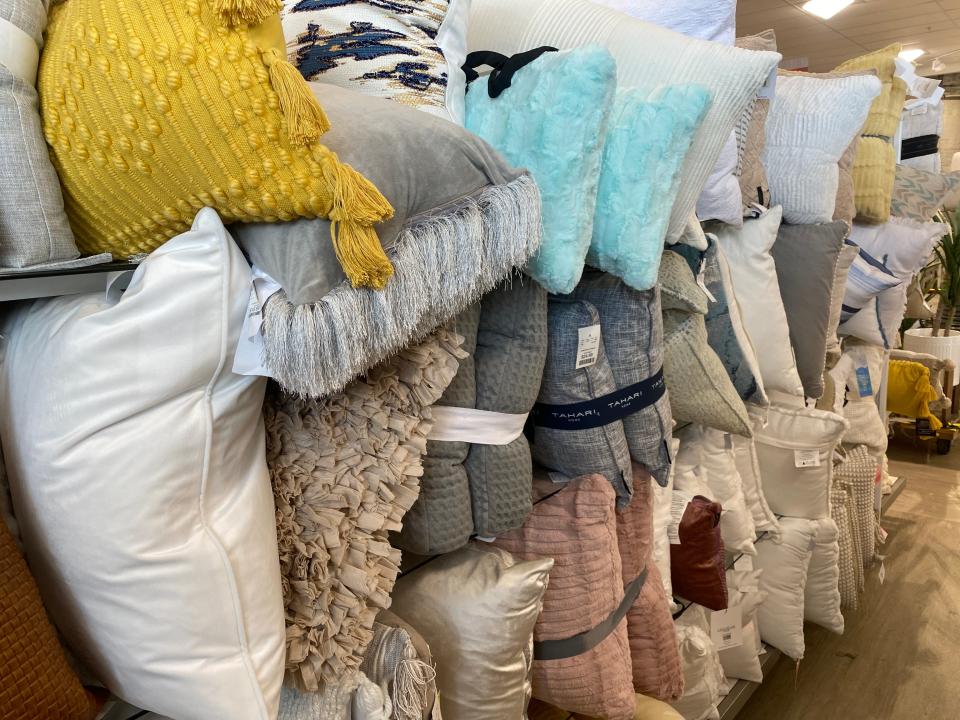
[
  {"x": 248, "y": 360},
  {"x": 726, "y": 627},
  {"x": 480, "y": 427},
  {"x": 588, "y": 346},
  {"x": 769, "y": 87},
  {"x": 486, "y": 538},
  {"x": 883, "y": 573},
  {"x": 806, "y": 458},
  {"x": 678, "y": 504},
  {"x": 18, "y": 52},
  {"x": 557, "y": 478},
  {"x": 702, "y": 282}
]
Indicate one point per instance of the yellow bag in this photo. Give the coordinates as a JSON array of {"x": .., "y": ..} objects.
[{"x": 154, "y": 109}]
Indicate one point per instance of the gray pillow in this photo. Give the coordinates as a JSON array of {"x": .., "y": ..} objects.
[
  {"x": 632, "y": 333},
  {"x": 464, "y": 220},
  {"x": 33, "y": 225},
  {"x": 599, "y": 450},
  {"x": 806, "y": 260}
]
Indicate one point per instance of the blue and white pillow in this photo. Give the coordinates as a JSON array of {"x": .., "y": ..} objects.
[
  {"x": 409, "y": 51},
  {"x": 867, "y": 279}
]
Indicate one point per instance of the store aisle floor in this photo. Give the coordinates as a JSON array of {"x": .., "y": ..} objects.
[{"x": 899, "y": 658}]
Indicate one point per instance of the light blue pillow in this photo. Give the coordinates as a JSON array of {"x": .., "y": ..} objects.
[
  {"x": 552, "y": 120},
  {"x": 648, "y": 136}
]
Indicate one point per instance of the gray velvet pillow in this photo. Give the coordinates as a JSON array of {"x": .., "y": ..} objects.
[
  {"x": 599, "y": 450},
  {"x": 33, "y": 225},
  {"x": 806, "y": 260}
]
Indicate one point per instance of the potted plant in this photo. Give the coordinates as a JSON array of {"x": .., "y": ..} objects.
[{"x": 941, "y": 340}]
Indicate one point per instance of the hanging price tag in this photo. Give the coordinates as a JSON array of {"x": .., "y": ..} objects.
[
  {"x": 588, "y": 346},
  {"x": 678, "y": 505},
  {"x": 726, "y": 627},
  {"x": 806, "y": 458}
]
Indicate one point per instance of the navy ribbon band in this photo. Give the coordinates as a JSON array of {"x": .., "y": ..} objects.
[
  {"x": 919, "y": 146},
  {"x": 603, "y": 410}
]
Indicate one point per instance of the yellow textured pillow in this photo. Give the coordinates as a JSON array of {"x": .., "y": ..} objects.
[
  {"x": 874, "y": 171},
  {"x": 154, "y": 110},
  {"x": 885, "y": 111}
]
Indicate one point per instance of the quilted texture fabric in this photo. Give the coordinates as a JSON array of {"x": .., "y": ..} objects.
[
  {"x": 806, "y": 261},
  {"x": 458, "y": 602},
  {"x": 821, "y": 596},
  {"x": 647, "y": 57},
  {"x": 697, "y": 562},
  {"x": 201, "y": 114},
  {"x": 653, "y": 638},
  {"x": 751, "y": 132},
  {"x": 345, "y": 470},
  {"x": 755, "y": 284},
  {"x": 563, "y": 101},
  {"x": 33, "y": 226},
  {"x": 849, "y": 562},
  {"x": 38, "y": 683},
  {"x": 577, "y": 528},
  {"x": 874, "y": 171},
  {"x": 631, "y": 330},
  {"x": 784, "y": 564},
  {"x": 700, "y": 389},
  {"x": 885, "y": 109},
  {"x": 410, "y": 52},
  {"x": 510, "y": 355},
  {"x": 918, "y": 194},
  {"x": 704, "y": 19},
  {"x": 648, "y": 136},
  {"x": 810, "y": 125},
  {"x": 858, "y": 472},
  {"x": 603, "y": 450}
]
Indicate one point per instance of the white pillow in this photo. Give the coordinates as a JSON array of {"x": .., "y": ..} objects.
[
  {"x": 860, "y": 369},
  {"x": 748, "y": 466},
  {"x": 867, "y": 278},
  {"x": 662, "y": 499},
  {"x": 795, "y": 453},
  {"x": 878, "y": 322},
  {"x": 903, "y": 245},
  {"x": 743, "y": 591},
  {"x": 144, "y": 498},
  {"x": 712, "y": 452},
  {"x": 703, "y": 677},
  {"x": 821, "y": 596},
  {"x": 757, "y": 290},
  {"x": 721, "y": 198},
  {"x": 784, "y": 564},
  {"x": 811, "y": 122},
  {"x": 647, "y": 56},
  {"x": 704, "y": 19}
]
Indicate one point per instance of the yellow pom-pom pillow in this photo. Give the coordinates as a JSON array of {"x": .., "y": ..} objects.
[{"x": 153, "y": 110}]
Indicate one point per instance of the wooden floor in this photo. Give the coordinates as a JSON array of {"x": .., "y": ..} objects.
[{"x": 899, "y": 658}]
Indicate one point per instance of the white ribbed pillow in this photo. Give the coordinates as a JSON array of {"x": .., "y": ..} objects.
[
  {"x": 704, "y": 19},
  {"x": 647, "y": 56},
  {"x": 811, "y": 123}
]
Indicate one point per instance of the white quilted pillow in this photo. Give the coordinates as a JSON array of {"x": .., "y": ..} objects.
[
  {"x": 795, "y": 452},
  {"x": 821, "y": 596},
  {"x": 704, "y": 19},
  {"x": 755, "y": 285},
  {"x": 784, "y": 564},
  {"x": 811, "y": 123},
  {"x": 647, "y": 56}
]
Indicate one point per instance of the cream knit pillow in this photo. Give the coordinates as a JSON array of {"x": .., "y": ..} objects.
[{"x": 647, "y": 56}]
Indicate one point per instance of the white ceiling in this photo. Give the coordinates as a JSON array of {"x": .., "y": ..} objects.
[{"x": 933, "y": 25}]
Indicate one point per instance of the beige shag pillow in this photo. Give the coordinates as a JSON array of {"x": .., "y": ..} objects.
[{"x": 345, "y": 469}]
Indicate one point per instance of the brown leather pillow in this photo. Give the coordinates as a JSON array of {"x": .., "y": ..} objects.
[
  {"x": 35, "y": 680},
  {"x": 697, "y": 563}
]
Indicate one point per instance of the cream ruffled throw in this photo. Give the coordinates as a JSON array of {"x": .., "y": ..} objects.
[{"x": 345, "y": 469}]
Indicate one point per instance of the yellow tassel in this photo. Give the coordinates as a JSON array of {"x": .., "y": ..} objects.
[
  {"x": 306, "y": 120},
  {"x": 357, "y": 205},
  {"x": 246, "y": 12}
]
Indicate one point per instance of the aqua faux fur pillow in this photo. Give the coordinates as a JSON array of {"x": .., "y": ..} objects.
[
  {"x": 552, "y": 121},
  {"x": 648, "y": 136}
]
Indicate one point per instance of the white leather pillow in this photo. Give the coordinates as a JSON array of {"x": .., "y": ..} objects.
[
  {"x": 704, "y": 19},
  {"x": 795, "y": 452},
  {"x": 821, "y": 596},
  {"x": 647, "y": 56},
  {"x": 811, "y": 123},
  {"x": 784, "y": 564},
  {"x": 711, "y": 452},
  {"x": 757, "y": 290},
  {"x": 144, "y": 499}
]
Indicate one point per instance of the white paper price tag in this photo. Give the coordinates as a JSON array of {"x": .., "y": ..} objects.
[
  {"x": 806, "y": 458},
  {"x": 769, "y": 87},
  {"x": 588, "y": 346},
  {"x": 726, "y": 628},
  {"x": 678, "y": 504}
]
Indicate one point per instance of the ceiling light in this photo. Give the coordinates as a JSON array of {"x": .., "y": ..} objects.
[
  {"x": 826, "y": 8},
  {"x": 911, "y": 54}
]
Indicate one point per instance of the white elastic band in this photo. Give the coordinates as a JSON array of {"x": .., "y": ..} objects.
[
  {"x": 18, "y": 52},
  {"x": 480, "y": 427}
]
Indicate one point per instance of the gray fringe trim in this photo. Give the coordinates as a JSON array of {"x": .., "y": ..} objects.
[{"x": 442, "y": 264}]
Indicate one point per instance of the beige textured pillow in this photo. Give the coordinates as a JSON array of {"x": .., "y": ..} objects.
[{"x": 750, "y": 131}]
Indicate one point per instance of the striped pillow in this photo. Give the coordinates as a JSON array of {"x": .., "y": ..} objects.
[{"x": 868, "y": 278}]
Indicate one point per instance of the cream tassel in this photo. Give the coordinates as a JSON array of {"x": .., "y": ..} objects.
[{"x": 410, "y": 680}]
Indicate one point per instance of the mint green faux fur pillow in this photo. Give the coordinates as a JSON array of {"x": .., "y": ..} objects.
[{"x": 648, "y": 136}]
